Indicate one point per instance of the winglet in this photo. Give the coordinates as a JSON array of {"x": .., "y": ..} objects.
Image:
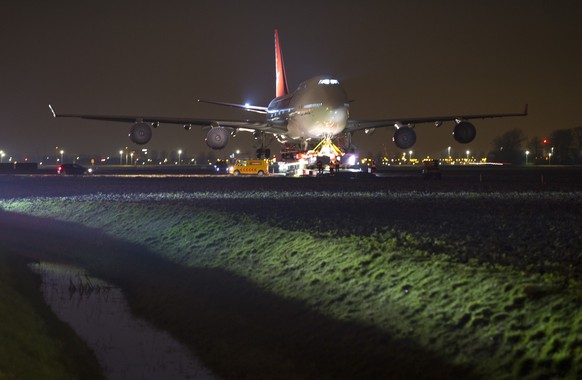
[
  {"x": 281, "y": 86},
  {"x": 53, "y": 111},
  {"x": 525, "y": 110}
]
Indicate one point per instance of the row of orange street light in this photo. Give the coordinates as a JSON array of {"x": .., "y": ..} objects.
[
  {"x": 129, "y": 156},
  {"x": 449, "y": 153}
]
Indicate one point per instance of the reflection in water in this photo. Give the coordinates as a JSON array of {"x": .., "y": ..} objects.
[{"x": 127, "y": 348}]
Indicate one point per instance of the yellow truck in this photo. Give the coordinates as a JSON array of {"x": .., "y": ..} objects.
[{"x": 254, "y": 167}]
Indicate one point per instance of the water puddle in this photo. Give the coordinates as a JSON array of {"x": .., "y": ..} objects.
[{"x": 126, "y": 347}]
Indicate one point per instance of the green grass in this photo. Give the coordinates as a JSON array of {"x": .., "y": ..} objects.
[
  {"x": 503, "y": 321},
  {"x": 34, "y": 343}
]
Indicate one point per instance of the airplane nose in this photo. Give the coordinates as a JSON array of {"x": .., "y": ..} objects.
[{"x": 338, "y": 114}]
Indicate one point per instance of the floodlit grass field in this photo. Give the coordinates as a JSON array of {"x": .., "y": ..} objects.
[{"x": 430, "y": 284}]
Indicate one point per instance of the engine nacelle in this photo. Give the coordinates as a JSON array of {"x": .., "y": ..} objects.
[
  {"x": 464, "y": 132},
  {"x": 140, "y": 133},
  {"x": 404, "y": 137},
  {"x": 217, "y": 138}
]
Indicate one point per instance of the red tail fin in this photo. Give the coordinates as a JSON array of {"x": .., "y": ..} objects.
[{"x": 281, "y": 87}]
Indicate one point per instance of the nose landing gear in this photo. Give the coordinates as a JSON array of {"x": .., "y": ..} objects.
[{"x": 327, "y": 148}]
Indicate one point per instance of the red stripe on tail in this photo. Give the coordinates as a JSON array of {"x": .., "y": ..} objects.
[{"x": 281, "y": 87}]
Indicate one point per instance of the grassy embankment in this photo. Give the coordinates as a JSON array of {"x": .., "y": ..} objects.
[
  {"x": 502, "y": 321},
  {"x": 34, "y": 344}
]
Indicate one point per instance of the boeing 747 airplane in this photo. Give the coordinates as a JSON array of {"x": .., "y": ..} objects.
[{"x": 318, "y": 110}]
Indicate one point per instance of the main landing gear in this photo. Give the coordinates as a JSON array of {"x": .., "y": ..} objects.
[{"x": 262, "y": 152}]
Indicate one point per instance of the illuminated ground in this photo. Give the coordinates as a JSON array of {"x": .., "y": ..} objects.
[{"x": 333, "y": 277}]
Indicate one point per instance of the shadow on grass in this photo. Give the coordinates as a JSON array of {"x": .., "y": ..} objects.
[{"x": 236, "y": 328}]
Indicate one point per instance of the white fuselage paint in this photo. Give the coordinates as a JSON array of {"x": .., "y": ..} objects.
[{"x": 317, "y": 109}]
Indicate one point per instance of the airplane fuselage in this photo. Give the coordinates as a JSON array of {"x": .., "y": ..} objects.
[{"x": 318, "y": 109}]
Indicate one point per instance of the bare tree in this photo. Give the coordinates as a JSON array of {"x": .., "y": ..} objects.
[
  {"x": 535, "y": 147},
  {"x": 578, "y": 144},
  {"x": 562, "y": 141},
  {"x": 509, "y": 147}
]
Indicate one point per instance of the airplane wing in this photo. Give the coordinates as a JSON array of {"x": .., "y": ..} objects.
[
  {"x": 357, "y": 125},
  {"x": 248, "y": 124},
  {"x": 246, "y": 107}
]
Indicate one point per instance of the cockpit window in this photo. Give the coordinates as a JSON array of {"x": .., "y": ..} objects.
[{"x": 328, "y": 81}]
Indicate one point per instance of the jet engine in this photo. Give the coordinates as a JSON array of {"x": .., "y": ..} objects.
[
  {"x": 404, "y": 137},
  {"x": 217, "y": 138},
  {"x": 140, "y": 133},
  {"x": 464, "y": 132}
]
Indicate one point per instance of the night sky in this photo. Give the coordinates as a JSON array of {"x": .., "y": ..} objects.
[{"x": 397, "y": 59}]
